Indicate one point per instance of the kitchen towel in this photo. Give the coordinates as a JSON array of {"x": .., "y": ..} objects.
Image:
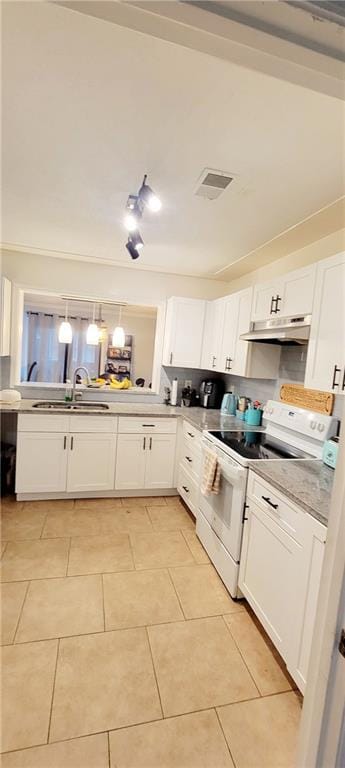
[{"x": 210, "y": 482}]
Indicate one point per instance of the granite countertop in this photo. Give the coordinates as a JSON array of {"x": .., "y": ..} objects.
[
  {"x": 201, "y": 418},
  {"x": 308, "y": 483}
]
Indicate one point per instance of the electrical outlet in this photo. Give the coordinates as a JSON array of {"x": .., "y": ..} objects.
[{"x": 188, "y": 383}]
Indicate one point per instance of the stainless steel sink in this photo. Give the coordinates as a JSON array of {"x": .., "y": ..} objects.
[{"x": 61, "y": 405}]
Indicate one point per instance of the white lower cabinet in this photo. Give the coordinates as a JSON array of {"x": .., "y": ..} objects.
[
  {"x": 91, "y": 462},
  {"x": 145, "y": 461},
  {"x": 268, "y": 573},
  {"x": 41, "y": 465},
  {"x": 280, "y": 572},
  {"x": 130, "y": 462}
]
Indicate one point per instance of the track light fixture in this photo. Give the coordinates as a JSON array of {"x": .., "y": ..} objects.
[
  {"x": 135, "y": 207},
  {"x": 134, "y": 254}
]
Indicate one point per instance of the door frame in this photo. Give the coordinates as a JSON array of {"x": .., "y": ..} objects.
[{"x": 320, "y": 695}]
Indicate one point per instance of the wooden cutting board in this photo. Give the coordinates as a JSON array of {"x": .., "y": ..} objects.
[{"x": 312, "y": 399}]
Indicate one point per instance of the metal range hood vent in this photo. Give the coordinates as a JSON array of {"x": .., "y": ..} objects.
[{"x": 289, "y": 331}]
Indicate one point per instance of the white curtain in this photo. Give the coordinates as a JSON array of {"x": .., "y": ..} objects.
[{"x": 41, "y": 346}]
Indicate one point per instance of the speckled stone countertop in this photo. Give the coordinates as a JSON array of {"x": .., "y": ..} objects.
[
  {"x": 307, "y": 483},
  {"x": 201, "y": 418}
]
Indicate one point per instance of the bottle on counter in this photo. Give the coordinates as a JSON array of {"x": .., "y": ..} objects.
[{"x": 173, "y": 396}]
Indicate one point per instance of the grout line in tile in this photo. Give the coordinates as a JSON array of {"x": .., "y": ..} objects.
[
  {"x": 154, "y": 671},
  {"x": 108, "y": 739},
  {"x": 44, "y": 524},
  {"x": 21, "y": 611},
  {"x": 53, "y": 690},
  {"x": 68, "y": 554},
  {"x": 176, "y": 593},
  {"x": 103, "y": 604},
  {"x": 225, "y": 739},
  {"x": 241, "y": 654}
]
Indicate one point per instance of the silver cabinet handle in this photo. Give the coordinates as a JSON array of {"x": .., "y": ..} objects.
[{"x": 144, "y": 444}]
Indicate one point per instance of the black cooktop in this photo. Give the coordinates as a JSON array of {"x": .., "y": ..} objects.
[{"x": 258, "y": 445}]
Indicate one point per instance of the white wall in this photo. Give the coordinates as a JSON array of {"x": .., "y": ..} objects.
[{"x": 103, "y": 281}]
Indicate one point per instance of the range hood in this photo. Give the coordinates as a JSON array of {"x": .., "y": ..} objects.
[{"x": 280, "y": 330}]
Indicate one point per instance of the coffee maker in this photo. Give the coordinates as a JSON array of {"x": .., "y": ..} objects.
[{"x": 211, "y": 393}]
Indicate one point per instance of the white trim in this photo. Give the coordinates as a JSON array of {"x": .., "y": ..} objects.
[{"x": 98, "y": 494}]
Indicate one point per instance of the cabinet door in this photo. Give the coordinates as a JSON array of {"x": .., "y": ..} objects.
[
  {"x": 243, "y": 305},
  {"x": 229, "y": 333},
  {"x": 263, "y": 304},
  {"x": 41, "y": 465},
  {"x": 269, "y": 577},
  {"x": 212, "y": 339},
  {"x": 298, "y": 293},
  {"x": 160, "y": 461},
  {"x": 91, "y": 462},
  {"x": 5, "y": 316},
  {"x": 326, "y": 350},
  {"x": 130, "y": 462},
  {"x": 184, "y": 332}
]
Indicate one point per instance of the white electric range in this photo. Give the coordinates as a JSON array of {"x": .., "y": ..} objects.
[{"x": 288, "y": 433}]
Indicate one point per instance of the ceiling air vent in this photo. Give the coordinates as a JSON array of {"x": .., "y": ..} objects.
[{"x": 211, "y": 183}]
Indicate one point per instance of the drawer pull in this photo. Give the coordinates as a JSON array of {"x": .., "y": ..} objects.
[
  {"x": 268, "y": 501},
  {"x": 185, "y": 488},
  {"x": 189, "y": 459},
  {"x": 190, "y": 434},
  {"x": 148, "y": 425},
  {"x": 144, "y": 443},
  {"x": 72, "y": 441},
  {"x": 336, "y": 370},
  {"x": 150, "y": 446}
]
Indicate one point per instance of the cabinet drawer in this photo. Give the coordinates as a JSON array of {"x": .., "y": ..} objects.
[
  {"x": 187, "y": 488},
  {"x": 192, "y": 435},
  {"x": 38, "y": 422},
  {"x": 98, "y": 424},
  {"x": 131, "y": 424},
  {"x": 276, "y": 506},
  {"x": 191, "y": 459}
]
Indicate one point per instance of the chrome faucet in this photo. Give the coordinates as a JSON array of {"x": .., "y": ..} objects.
[{"x": 74, "y": 378}]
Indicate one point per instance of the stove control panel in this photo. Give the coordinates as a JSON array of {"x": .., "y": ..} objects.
[{"x": 316, "y": 425}]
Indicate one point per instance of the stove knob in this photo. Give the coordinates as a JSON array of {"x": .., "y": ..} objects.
[
  {"x": 321, "y": 427},
  {"x": 313, "y": 424}
]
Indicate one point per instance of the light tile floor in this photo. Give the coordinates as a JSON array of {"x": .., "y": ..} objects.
[{"x": 122, "y": 648}]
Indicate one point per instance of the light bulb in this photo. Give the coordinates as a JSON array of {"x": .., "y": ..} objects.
[
  {"x": 65, "y": 332},
  {"x": 92, "y": 334},
  {"x": 118, "y": 337},
  {"x": 154, "y": 203},
  {"x": 130, "y": 222}
]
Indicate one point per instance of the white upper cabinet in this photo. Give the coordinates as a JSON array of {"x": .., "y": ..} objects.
[
  {"x": 326, "y": 350},
  {"x": 291, "y": 294},
  {"x": 5, "y": 316},
  {"x": 242, "y": 358},
  {"x": 213, "y": 331},
  {"x": 184, "y": 330}
]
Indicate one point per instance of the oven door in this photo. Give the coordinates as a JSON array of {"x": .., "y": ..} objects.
[{"x": 224, "y": 511}]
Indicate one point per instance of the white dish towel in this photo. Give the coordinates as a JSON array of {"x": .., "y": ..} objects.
[{"x": 210, "y": 481}]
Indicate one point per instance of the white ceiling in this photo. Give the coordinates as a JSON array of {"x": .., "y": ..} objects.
[{"x": 90, "y": 106}]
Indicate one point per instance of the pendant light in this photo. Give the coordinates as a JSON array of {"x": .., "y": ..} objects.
[
  {"x": 119, "y": 334},
  {"x": 65, "y": 330},
  {"x": 92, "y": 333}
]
